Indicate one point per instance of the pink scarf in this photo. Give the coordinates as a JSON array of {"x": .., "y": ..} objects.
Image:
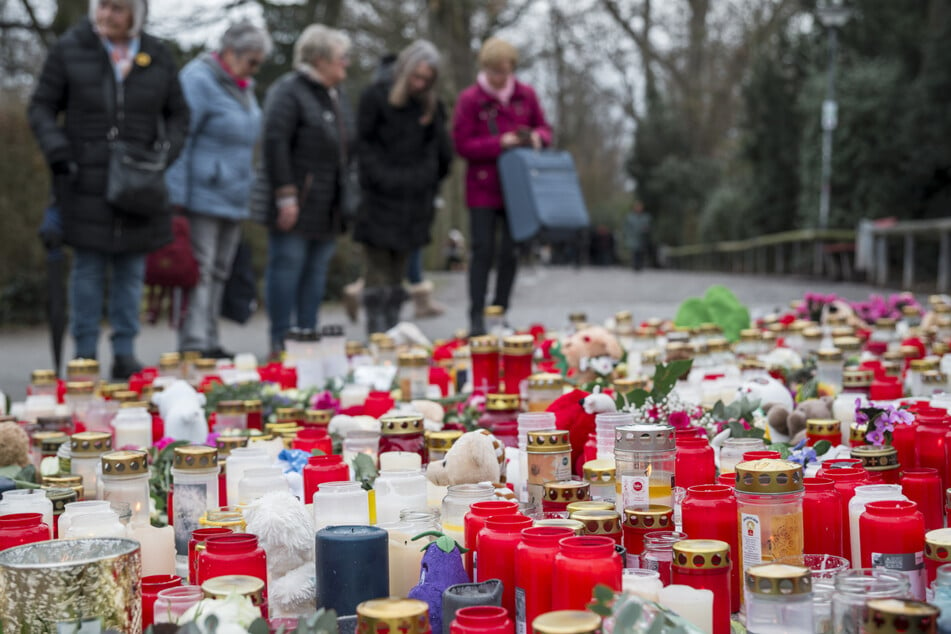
[
  {"x": 242, "y": 83},
  {"x": 504, "y": 95}
]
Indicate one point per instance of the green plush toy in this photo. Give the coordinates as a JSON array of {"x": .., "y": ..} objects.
[{"x": 719, "y": 306}]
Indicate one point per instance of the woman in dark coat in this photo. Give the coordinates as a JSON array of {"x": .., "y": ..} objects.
[
  {"x": 404, "y": 153},
  {"x": 102, "y": 72},
  {"x": 307, "y": 139}
]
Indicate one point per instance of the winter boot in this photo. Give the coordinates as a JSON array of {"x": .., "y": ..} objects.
[
  {"x": 374, "y": 304},
  {"x": 124, "y": 366},
  {"x": 426, "y": 306},
  {"x": 351, "y": 299},
  {"x": 395, "y": 296},
  {"x": 476, "y": 322}
]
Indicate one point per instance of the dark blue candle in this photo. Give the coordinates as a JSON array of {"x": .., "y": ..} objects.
[{"x": 352, "y": 567}]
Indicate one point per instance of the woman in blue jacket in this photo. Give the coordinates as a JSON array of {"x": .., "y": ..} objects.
[{"x": 211, "y": 182}]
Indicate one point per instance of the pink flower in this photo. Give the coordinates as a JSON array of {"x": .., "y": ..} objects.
[
  {"x": 679, "y": 420},
  {"x": 325, "y": 400},
  {"x": 163, "y": 442}
]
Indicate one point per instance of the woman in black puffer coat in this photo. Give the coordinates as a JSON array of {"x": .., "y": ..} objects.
[{"x": 404, "y": 153}]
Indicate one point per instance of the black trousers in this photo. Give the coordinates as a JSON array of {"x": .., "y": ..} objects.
[{"x": 484, "y": 226}]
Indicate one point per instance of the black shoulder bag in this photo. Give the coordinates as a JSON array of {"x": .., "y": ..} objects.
[{"x": 136, "y": 182}]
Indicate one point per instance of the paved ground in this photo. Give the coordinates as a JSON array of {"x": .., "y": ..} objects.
[{"x": 545, "y": 295}]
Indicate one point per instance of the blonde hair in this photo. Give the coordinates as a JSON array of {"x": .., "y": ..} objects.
[
  {"x": 495, "y": 51},
  {"x": 140, "y": 11},
  {"x": 419, "y": 52},
  {"x": 319, "y": 42}
]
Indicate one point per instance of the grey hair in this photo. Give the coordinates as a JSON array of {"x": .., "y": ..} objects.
[
  {"x": 319, "y": 42},
  {"x": 419, "y": 52},
  {"x": 140, "y": 11},
  {"x": 245, "y": 37}
]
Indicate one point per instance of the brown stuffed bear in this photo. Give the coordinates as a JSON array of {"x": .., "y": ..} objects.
[
  {"x": 793, "y": 424},
  {"x": 590, "y": 352},
  {"x": 477, "y": 456},
  {"x": 14, "y": 449}
]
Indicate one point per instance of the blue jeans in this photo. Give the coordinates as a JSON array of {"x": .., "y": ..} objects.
[
  {"x": 87, "y": 285},
  {"x": 296, "y": 278},
  {"x": 414, "y": 266}
]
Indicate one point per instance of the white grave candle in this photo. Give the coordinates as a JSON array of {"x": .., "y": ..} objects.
[{"x": 695, "y": 606}]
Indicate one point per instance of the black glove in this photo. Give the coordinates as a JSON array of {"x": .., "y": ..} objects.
[{"x": 64, "y": 168}]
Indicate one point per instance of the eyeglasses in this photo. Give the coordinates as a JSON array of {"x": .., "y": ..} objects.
[{"x": 254, "y": 63}]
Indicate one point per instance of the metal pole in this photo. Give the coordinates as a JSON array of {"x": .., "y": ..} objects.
[{"x": 829, "y": 121}]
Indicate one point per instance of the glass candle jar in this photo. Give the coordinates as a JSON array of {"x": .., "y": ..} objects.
[
  {"x": 231, "y": 517},
  {"x": 580, "y": 564},
  {"x": 501, "y": 417},
  {"x": 240, "y": 460},
  {"x": 242, "y": 585},
  {"x": 132, "y": 426},
  {"x": 567, "y": 622},
  {"x": 496, "y": 553},
  {"x": 880, "y": 460},
  {"x": 645, "y": 456},
  {"x": 407, "y": 616},
  {"x": 549, "y": 459},
  {"x": 658, "y": 552},
  {"x": 821, "y": 517},
  {"x": 543, "y": 389},
  {"x": 85, "y": 451},
  {"x": 903, "y": 440},
  {"x": 704, "y": 564},
  {"x": 406, "y": 555},
  {"x": 709, "y": 512},
  {"x": 474, "y": 523},
  {"x": 779, "y": 599},
  {"x": 195, "y": 491},
  {"x": 731, "y": 453},
  {"x": 79, "y": 508},
  {"x": 339, "y": 503},
  {"x": 561, "y": 493},
  {"x": 398, "y": 490},
  {"x": 480, "y": 619},
  {"x": 359, "y": 441},
  {"x": 535, "y": 554},
  {"x": 232, "y": 555},
  {"x": 171, "y": 603},
  {"x": 769, "y": 510},
  {"x": 892, "y": 536},
  {"x": 923, "y": 487},
  {"x": 937, "y": 552},
  {"x": 455, "y": 505},
  {"x": 516, "y": 362},
  {"x": 17, "y": 529},
  {"x": 846, "y": 480},
  {"x": 125, "y": 478},
  {"x": 885, "y": 616},
  {"x": 638, "y": 523},
  {"x": 403, "y": 432},
  {"x": 695, "y": 464},
  {"x": 484, "y": 351},
  {"x": 17, "y": 501},
  {"x": 930, "y": 443},
  {"x": 151, "y": 586},
  {"x": 99, "y": 523},
  {"x": 818, "y": 429},
  {"x": 601, "y": 474},
  {"x": 45, "y": 444},
  {"x": 854, "y": 588},
  {"x": 256, "y": 483},
  {"x": 230, "y": 415},
  {"x": 863, "y": 495},
  {"x": 829, "y": 368},
  {"x": 440, "y": 442},
  {"x": 412, "y": 375},
  {"x": 196, "y": 544},
  {"x": 461, "y": 371},
  {"x": 606, "y": 523},
  {"x": 310, "y": 438}
]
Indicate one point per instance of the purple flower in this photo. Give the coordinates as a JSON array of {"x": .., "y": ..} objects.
[
  {"x": 894, "y": 417},
  {"x": 876, "y": 437},
  {"x": 212, "y": 438},
  {"x": 860, "y": 416},
  {"x": 325, "y": 400}
]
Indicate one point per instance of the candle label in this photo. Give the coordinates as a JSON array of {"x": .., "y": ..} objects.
[
  {"x": 84, "y": 626},
  {"x": 189, "y": 504},
  {"x": 911, "y": 565},
  {"x": 750, "y": 536},
  {"x": 520, "y": 626},
  {"x": 635, "y": 491}
]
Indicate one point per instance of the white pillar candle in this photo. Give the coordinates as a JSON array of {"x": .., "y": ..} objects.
[
  {"x": 641, "y": 582},
  {"x": 400, "y": 460},
  {"x": 694, "y": 606},
  {"x": 158, "y": 548},
  {"x": 352, "y": 395},
  {"x": 132, "y": 427},
  {"x": 406, "y": 558},
  {"x": 843, "y": 410}
]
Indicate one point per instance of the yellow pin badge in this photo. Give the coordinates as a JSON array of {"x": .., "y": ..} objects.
[{"x": 143, "y": 59}]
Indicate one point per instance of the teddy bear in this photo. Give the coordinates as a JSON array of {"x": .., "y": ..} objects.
[
  {"x": 592, "y": 352},
  {"x": 182, "y": 410},
  {"x": 792, "y": 424},
  {"x": 14, "y": 449},
  {"x": 477, "y": 456}
]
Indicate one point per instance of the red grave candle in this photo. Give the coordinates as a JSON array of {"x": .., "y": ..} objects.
[
  {"x": 558, "y": 495},
  {"x": 728, "y": 479},
  {"x": 516, "y": 361},
  {"x": 311, "y": 438},
  {"x": 254, "y": 410},
  {"x": 846, "y": 480},
  {"x": 501, "y": 417},
  {"x": 709, "y": 512},
  {"x": 485, "y": 363},
  {"x": 694, "y": 462},
  {"x": 482, "y": 619},
  {"x": 151, "y": 586},
  {"x": 838, "y": 463},
  {"x": 320, "y": 469},
  {"x": 495, "y": 550},
  {"x": 930, "y": 443},
  {"x": 17, "y": 529},
  {"x": 402, "y": 432},
  {"x": 822, "y": 517},
  {"x": 903, "y": 440},
  {"x": 197, "y": 544},
  {"x": 893, "y": 537},
  {"x": 582, "y": 563},
  {"x": 474, "y": 522},
  {"x": 818, "y": 429},
  {"x": 923, "y": 487},
  {"x": 637, "y": 523},
  {"x": 763, "y": 454},
  {"x": 235, "y": 554},
  {"x": 705, "y": 564},
  {"x": 535, "y": 555},
  {"x": 880, "y": 462}
]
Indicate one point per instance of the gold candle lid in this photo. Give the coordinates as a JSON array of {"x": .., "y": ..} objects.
[
  {"x": 318, "y": 416},
  {"x": 750, "y": 363},
  {"x": 548, "y": 441},
  {"x": 80, "y": 387},
  {"x": 750, "y": 334},
  {"x": 353, "y": 348},
  {"x": 925, "y": 364},
  {"x": 244, "y": 585},
  {"x": 567, "y": 491},
  {"x": 442, "y": 440},
  {"x": 855, "y": 378},
  {"x": 624, "y": 317},
  {"x": 885, "y": 322},
  {"x": 78, "y": 367},
  {"x": 567, "y": 622},
  {"x": 226, "y": 443},
  {"x": 134, "y": 404},
  {"x": 856, "y": 434},
  {"x": 125, "y": 463},
  {"x": 518, "y": 345},
  {"x": 847, "y": 344},
  {"x": 195, "y": 457},
  {"x": 875, "y": 458},
  {"x": 938, "y": 545},
  {"x": 650, "y": 356},
  {"x": 253, "y": 405},
  {"x": 89, "y": 443},
  {"x": 933, "y": 377},
  {"x": 190, "y": 356},
  {"x": 823, "y": 426},
  {"x": 812, "y": 333},
  {"x": 48, "y": 441},
  {"x": 701, "y": 554},
  {"x": 768, "y": 476},
  {"x": 169, "y": 360},
  {"x": 65, "y": 480},
  {"x": 577, "y": 316},
  {"x": 502, "y": 402},
  {"x": 829, "y": 354},
  {"x": 900, "y": 616},
  {"x": 483, "y": 343},
  {"x": 546, "y": 380},
  {"x": 401, "y": 424},
  {"x": 230, "y": 408},
  {"x": 908, "y": 351},
  {"x": 656, "y": 517},
  {"x": 125, "y": 396},
  {"x": 412, "y": 359},
  {"x": 60, "y": 497},
  {"x": 718, "y": 344},
  {"x": 598, "y": 521},
  {"x": 600, "y": 471},
  {"x": 629, "y": 384},
  {"x": 205, "y": 365},
  {"x": 43, "y": 377},
  {"x": 778, "y": 579},
  {"x": 493, "y": 311},
  {"x": 406, "y": 616},
  {"x": 288, "y": 414},
  {"x": 559, "y": 522},
  {"x": 57, "y": 422},
  {"x": 590, "y": 505},
  {"x": 280, "y": 427},
  {"x": 261, "y": 438}
]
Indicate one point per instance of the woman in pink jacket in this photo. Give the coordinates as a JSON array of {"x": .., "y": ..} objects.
[{"x": 494, "y": 114}]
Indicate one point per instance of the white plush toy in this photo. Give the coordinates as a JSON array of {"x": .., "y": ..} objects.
[
  {"x": 182, "y": 411},
  {"x": 285, "y": 531},
  {"x": 767, "y": 390}
]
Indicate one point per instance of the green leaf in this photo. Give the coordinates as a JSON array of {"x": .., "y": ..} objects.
[
  {"x": 719, "y": 411},
  {"x": 603, "y": 593},
  {"x": 258, "y": 626},
  {"x": 637, "y": 397},
  {"x": 601, "y": 610},
  {"x": 781, "y": 447},
  {"x": 822, "y": 447},
  {"x": 364, "y": 470},
  {"x": 627, "y": 618},
  {"x": 317, "y": 452},
  {"x": 619, "y": 401},
  {"x": 446, "y": 544},
  {"x": 666, "y": 375}
]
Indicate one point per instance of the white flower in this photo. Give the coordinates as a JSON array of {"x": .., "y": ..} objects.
[
  {"x": 235, "y": 611},
  {"x": 603, "y": 365}
]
